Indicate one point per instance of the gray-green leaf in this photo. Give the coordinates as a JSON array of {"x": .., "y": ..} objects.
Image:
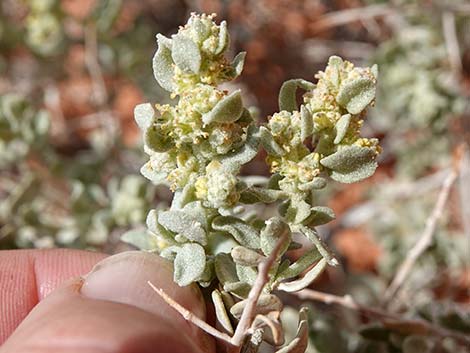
[
  {"x": 306, "y": 280},
  {"x": 144, "y": 115},
  {"x": 221, "y": 312},
  {"x": 186, "y": 54},
  {"x": 304, "y": 262},
  {"x": 245, "y": 256},
  {"x": 306, "y": 128},
  {"x": 255, "y": 195},
  {"x": 163, "y": 64},
  {"x": 141, "y": 239},
  {"x": 287, "y": 94},
  {"x": 266, "y": 304},
  {"x": 184, "y": 224},
  {"x": 227, "y": 110},
  {"x": 269, "y": 144},
  {"x": 156, "y": 228},
  {"x": 234, "y": 160},
  {"x": 223, "y": 38},
  {"x": 157, "y": 140},
  {"x": 351, "y": 163},
  {"x": 189, "y": 264},
  {"x": 313, "y": 236},
  {"x": 300, "y": 342},
  {"x": 320, "y": 215},
  {"x": 356, "y": 95},
  {"x": 238, "y": 63},
  {"x": 342, "y": 127},
  {"x": 275, "y": 230},
  {"x": 242, "y": 232},
  {"x": 225, "y": 269}
]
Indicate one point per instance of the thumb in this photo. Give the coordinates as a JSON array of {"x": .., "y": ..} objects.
[{"x": 114, "y": 310}]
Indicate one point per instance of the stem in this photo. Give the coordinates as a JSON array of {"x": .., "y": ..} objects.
[
  {"x": 388, "y": 319},
  {"x": 188, "y": 315},
  {"x": 249, "y": 312},
  {"x": 424, "y": 240}
]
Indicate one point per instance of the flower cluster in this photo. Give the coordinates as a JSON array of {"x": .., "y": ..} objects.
[
  {"x": 329, "y": 119},
  {"x": 189, "y": 144},
  {"x": 44, "y": 32}
]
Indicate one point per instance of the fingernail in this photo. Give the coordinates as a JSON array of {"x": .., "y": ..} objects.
[{"x": 124, "y": 277}]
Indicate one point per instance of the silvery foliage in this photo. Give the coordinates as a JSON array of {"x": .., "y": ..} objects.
[
  {"x": 414, "y": 65},
  {"x": 418, "y": 93},
  {"x": 45, "y": 202},
  {"x": 36, "y": 213},
  {"x": 22, "y": 128},
  {"x": 198, "y": 146}
]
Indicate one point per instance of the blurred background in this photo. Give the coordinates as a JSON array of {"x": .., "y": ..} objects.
[{"x": 71, "y": 72}]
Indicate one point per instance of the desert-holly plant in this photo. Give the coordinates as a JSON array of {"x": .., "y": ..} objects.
[{"x": 212, "y": 232}]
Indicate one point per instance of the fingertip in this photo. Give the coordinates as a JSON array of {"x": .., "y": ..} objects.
[
  {"x": 53, "y": 267},
  {"x": 28, "y": 276},
  {"x": 112, "y": 309}
]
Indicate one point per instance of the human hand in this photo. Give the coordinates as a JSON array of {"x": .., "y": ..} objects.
[{"x": 111, "y": 309}]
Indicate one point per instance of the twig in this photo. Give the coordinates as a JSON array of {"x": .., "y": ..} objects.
[
  {"x": 338, "y": 18},
  {"x": 464, "y": 191},
  {"x": 388, "y": 319},
  {"x": 424, "y": 240},
  {"x": 317, "y": 50},
  {"x": 451, "y": 41},
  {"x": 249, "y": 312},
  {"x": 188, "y": 315},
  {"x": 365, "y": 211},
  {"x": 346, "y": 301},
  {"x": 93, "y": 66}
]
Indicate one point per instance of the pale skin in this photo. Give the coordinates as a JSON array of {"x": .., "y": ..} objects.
[{"x": 49, "y": 304}]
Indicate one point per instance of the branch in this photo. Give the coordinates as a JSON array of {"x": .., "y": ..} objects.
[
  {"x": 338, "y": 18},
  {"x": 365, "y": 211},
  {"x": 424, "y": 240},
  {"x": 464, "y": 191},
  {"x": 451, "y": 41},
  {"x": 388, "y": 319},
  {"x": 249, "y": 312},
  {"x": 93, "y": 66},
  {"x": 188, "y": 315}
]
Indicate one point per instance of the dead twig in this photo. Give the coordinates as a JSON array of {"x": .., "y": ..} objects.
[
  {"x": 452, "y": 42},
  {"x": 392, "y": 321},
  {"x": 249, "y": 313},
  {"x": 464, "y": 191},
  {"x": 365, "y": 211},
  {"x": 189, "y": 316},
  {"x": 338, "y": 18},
  {"x": 91, "y": 60},
  {"x": 424, "y": 240}
]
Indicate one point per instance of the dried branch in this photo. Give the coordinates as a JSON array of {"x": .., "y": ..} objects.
[
  {"x": 452, "y": 42},
  {"x": 388, "y": 319},
  {"x": 464, "y": 191},
  {"x": 424, "y": 240},
  {"x": 365, "y": 211},
  {"x": 317, "y": 50},
  {"x": 188, "y": 315},
  {"x": 249, "y": 312},
  {"x": 93, "y": 66},
  {"x": 338, "y": 18}
]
